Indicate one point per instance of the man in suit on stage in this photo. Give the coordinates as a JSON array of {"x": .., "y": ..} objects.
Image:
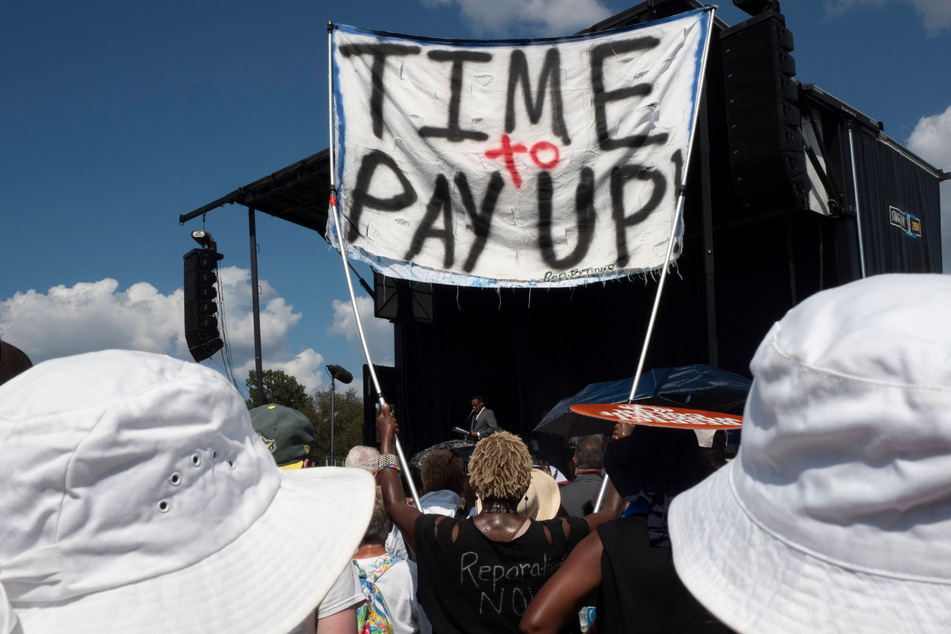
[{"x": 481, "y": 420}]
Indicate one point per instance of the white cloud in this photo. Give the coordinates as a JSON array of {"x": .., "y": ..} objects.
[
  {"x": 93, "y": 316},
  {"x": 379, "y": 332},
  {"x": 97, "y": 316},
  {"x": 935, "y": 14},
  {"x": 277, "y": 316},
  {"x": 538, "y": 17},
  {"x": 307, "y": 367},
  {"x": 931, "y": 140},
  {"x": 277, "y": 320}
]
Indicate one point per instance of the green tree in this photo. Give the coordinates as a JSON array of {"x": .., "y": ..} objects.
[
  {"x": 280, "y": 388},
  {"x": 348, "y": 423}
]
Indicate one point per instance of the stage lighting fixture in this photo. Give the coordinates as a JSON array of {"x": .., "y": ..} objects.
[{"x": 203, "y": 238}]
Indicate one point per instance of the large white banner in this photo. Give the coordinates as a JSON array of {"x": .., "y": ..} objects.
[{"x": 514, "y": 163}]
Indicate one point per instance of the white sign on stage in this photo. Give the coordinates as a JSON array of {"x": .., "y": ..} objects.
[{"x": 549, "y": 162}]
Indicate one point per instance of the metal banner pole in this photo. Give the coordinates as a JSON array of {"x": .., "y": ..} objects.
[
  {"x": 681, "y": 196},
  {"x": 404, "y": 465}
]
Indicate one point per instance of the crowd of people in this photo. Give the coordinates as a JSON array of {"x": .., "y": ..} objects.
[{"x": 141, "y": 495}]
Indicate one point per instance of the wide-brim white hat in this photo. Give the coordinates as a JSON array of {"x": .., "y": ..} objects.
[
  {"x": 138, "y": 498},
  {"x": 836, "y": 514}
]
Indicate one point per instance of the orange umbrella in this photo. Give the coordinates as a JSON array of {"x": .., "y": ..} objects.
[{"x": 657, "y": 416}]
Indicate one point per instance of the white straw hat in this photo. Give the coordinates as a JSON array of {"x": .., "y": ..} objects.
[
  {"x": 836, "y": 514},
  {"x": 543, "y": 498},
  {"x": 136, "y": 497}
]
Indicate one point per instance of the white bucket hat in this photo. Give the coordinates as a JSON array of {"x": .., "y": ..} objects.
[
  {"x": 136, "y": 497},
  {"x": 836, "y": 514}
]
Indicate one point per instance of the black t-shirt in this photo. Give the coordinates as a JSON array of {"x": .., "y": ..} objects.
[
  {"x": 640, "y": 589},
  {"x": 477, "y": 585}
]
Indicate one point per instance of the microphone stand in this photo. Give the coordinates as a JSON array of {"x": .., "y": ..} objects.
[{"x": 333, "y": 389}]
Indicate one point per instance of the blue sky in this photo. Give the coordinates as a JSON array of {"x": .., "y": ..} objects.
[{"x": 116, "y": 117}]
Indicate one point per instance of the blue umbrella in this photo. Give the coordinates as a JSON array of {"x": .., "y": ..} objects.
[{"x": 698, "y": 386}]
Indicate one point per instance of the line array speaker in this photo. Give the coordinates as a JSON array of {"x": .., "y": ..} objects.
[{"x": 767, "y": 156}]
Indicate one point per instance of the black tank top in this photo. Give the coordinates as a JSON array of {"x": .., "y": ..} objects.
[
  {"x": 640, "y": 589},
  {"x": 478, "y": 585}
]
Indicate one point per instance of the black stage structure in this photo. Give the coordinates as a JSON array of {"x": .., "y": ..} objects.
[{"x": 790, "y": 191}]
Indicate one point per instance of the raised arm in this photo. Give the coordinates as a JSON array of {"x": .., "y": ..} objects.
[
  {"x": 611, "y": 507},
  {"x": 559, "y": 600},
  {"x": 613, "y": 503},
  {"x": 401, "y": 514}
]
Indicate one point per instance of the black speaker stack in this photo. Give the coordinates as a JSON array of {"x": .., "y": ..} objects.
[
  {"x": 767, "y": 157},
  {"x": 201, "y": 322}
]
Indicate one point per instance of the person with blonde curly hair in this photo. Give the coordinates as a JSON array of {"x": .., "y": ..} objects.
[
  {"x": 500, "y": 467},
  {"x": 479, "y": 574}
]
